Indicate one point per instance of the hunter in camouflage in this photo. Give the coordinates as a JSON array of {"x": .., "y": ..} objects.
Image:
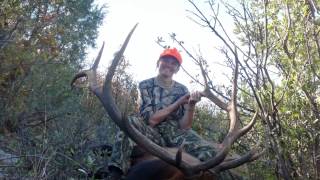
[{"x": 167, "y": 133}]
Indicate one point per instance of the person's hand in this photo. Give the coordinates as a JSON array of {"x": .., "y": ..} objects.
[
  {"x": 194, "y": 98},
  {"x": 183, "y": 100}
]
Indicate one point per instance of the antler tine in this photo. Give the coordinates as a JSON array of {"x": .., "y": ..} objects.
[
  {"x": 248, "y": 157},
  {"x": 248, "y": 127},
  {"x": 179, "y": 153},
  {"x": 232, "y": 109},
  {"x": 97, "y": 61},
  {"x": 230, "y": 138},
  {"x": 106, "y": 96},
  {"x": 91, "y": 74},
  {"x": 118, "y": 57},
  {"x": 208, "y": 94},
  {"x": 220, "y": 156}
]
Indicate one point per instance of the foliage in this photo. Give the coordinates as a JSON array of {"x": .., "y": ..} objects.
[
  {"x": 42, "y": 45},
  {"x": 209, "y": 122},
  {"x": 277, "y": 47}
]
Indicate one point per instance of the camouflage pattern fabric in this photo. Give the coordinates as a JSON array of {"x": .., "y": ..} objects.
[
  {"x": 167, "y": 133},
  {"x": 155, "y": 98},
  {"x": 123, "y": 145}
]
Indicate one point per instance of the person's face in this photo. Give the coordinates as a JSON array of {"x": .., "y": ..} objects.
[{"x": 168, "y": 66}]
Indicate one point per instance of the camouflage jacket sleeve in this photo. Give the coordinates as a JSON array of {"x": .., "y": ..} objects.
[{"x": 181, "y": 110}]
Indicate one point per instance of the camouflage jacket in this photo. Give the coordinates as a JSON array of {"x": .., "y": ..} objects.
[{"x": 154, "y": 98}]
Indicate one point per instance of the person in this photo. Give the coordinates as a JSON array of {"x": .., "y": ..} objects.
[{"x": 166, "y": 115}]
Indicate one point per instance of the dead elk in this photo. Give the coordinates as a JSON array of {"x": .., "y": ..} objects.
[{"x": 187, "y": 169}]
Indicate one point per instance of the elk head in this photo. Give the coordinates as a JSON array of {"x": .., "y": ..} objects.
[{"x": 174, "y": 158}]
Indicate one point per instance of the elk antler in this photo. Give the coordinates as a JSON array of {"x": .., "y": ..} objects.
[
  {"x": 104, "y": 94},
  {"x": 234, "y": 128}
]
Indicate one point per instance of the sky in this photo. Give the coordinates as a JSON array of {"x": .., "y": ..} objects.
[{"x": 156, "y": 18}]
